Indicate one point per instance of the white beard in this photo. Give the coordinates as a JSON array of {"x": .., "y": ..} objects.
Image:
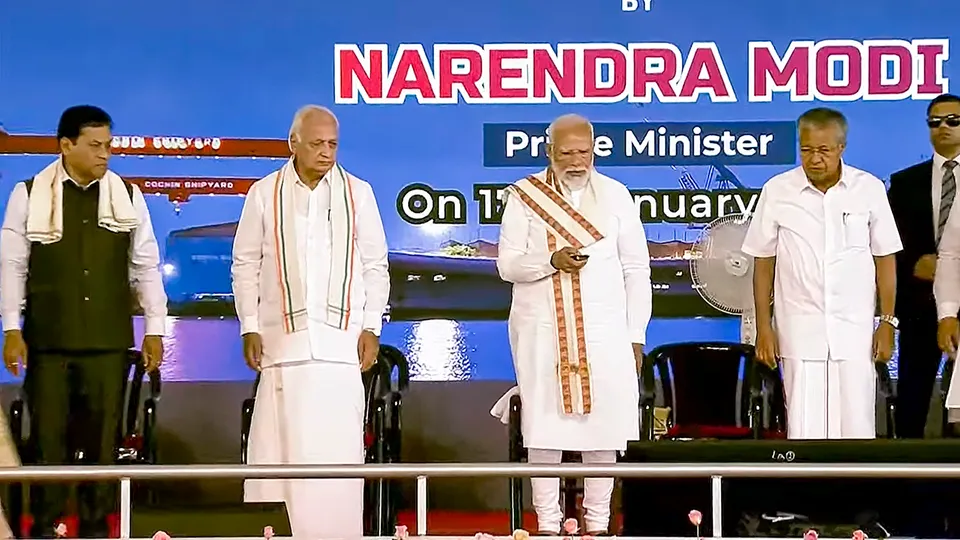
[{"x": 575, "y": 181}]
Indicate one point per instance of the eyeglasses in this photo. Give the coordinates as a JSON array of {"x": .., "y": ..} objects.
[{"x": 952, "y": 120}]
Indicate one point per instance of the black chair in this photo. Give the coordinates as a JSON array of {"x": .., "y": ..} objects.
[
  {"x": 382, "y": 437},
  {"x": 382, "y": 418},
  {"x": 713, "y": 390},
  {"x": 136, "y": 444}
]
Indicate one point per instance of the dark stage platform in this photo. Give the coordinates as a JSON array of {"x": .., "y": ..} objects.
[{"x": 917, "y": 508}]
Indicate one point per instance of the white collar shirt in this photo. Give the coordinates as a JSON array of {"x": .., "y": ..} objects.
[{"x": 824, "y": 244}]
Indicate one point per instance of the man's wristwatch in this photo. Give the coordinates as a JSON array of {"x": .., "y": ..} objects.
[{"x": 891, "y": 320}]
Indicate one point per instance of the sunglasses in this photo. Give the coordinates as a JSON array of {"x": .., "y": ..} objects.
[{"x": 952, "y": 120}]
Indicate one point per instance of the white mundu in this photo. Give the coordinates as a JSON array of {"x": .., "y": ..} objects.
[
  {"x": 571, "y": 333},
  {"x": 309, "y": 274},
  {"x": 825, "y": 295}
]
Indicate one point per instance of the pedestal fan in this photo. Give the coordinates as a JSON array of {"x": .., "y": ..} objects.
[{"x": 723, "y": 274}]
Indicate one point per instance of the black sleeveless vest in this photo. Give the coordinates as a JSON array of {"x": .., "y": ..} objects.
[{"x": 78, "y": 289}]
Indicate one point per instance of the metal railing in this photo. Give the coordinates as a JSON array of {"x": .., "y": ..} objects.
[{"x": 715, "y": 471}]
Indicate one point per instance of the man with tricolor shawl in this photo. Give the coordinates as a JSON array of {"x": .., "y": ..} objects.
[
  {"x": 311, "y": 286},
  {"x": 573, "y": 245}
]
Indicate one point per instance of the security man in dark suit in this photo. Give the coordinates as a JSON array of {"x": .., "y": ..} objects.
[
  {"x": 922, "y": 197},
  {"x": 75, "y": 283}
]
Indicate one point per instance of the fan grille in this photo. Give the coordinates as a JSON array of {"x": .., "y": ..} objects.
[{"x": 719, "y": 269}]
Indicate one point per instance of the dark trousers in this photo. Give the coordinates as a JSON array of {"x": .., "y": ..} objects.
[
  {"x": 75, "y": 402},
  {"x": 919, "y": 360}
]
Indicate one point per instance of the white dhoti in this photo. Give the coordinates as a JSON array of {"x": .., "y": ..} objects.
[
  {"x": 833, "y": 399},
  {"x": 310, "y": 413}
]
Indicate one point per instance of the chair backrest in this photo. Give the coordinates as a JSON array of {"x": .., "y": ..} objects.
[
  {"x": 704, "y": 383},
  {"x": 394, "y": 359},
  {"x": 377, "y": 382}
]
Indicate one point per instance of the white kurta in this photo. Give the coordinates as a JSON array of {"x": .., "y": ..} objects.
[
  {"x": 616, "y": 295},
  {"x": 825, "y": 295},
  {"x": 256, "y": 285},
  {"x": 310, "y": 403}
]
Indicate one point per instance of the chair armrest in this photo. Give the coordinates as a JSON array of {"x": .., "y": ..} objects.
[
  {"x": 377, "y": 425},
  {"x": 150, "y": 430},
  {"x": 515, "y": 430},
  {"x": 16, "y": 421},
  {"x": 885, "y": 384},
  {"x": 246, "y": 419},
  {"x": 156, "y": 385},
  {"x": 766, "y": 396},
  {"x": 394, "y": 433}
]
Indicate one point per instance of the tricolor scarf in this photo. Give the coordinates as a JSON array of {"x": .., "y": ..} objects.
[
  {"x": 343, "y": 227},
  {"x": 566, "y": 226}
]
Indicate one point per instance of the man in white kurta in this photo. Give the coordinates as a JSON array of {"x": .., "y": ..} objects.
[
  {"x": 824, "y": 238},
  {"x": 311, "y": 286},
  {"x": 573, "y": 245}
]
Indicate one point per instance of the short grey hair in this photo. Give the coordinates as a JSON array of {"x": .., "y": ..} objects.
[
  {"x": 302, "y": 114},
  {"x": 569, "y": 119},
  {"x": 822, "y": 117}
]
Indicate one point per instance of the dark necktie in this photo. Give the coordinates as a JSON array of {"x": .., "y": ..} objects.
[{"x": 947, "y": 193}]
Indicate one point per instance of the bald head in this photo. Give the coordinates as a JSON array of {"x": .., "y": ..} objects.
[
  {"x": 570, "y": 149},
  {"x": 314, "y": 136}
]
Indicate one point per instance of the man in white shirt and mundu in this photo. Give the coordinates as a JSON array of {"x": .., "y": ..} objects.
[
  {"x": 573, "y": 246},
  {"x": 824, "y": 240},
  {"x": 311, "y": 286}
]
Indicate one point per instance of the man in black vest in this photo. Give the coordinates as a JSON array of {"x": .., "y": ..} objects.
[
  {"x": 922, "y": 197},
  {"x": 76, "y": 246}
]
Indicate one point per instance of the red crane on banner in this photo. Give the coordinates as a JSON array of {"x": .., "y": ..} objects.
[{"x": 177, "y": 189}]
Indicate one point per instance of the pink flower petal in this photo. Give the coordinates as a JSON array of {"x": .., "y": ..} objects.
[
  {"x": 570, "y": 526},
  {"x": 696, "y": 518},
  {"x": 160, "y": 535},
  {"x": 859, "y": 535},
  {"x": 401, "y": 532},
  {"x": 811, "y": 535},
  {"x": 60, "y": 529}
]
